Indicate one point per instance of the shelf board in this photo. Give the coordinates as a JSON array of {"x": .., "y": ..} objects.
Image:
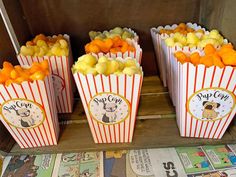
[{"x": 156, "y": 127}]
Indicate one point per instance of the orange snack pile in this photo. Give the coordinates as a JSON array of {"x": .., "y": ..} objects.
[
  {"x": 225, "y": 56},
  {"x": 16, "y": 74},
  {"x": 43, "y": 45},
  {"x": 113, "y": 45},
  {"x": 181, "y": 28}
]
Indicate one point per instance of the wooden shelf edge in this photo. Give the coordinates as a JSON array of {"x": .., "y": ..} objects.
[{"x": 150, "y": 133}]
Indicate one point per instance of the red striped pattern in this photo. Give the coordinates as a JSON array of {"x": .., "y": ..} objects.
[
  {"x": 60, "y": 68},
  {"x": 129, "y": 87},
  {"x": 39, "y": 91}
]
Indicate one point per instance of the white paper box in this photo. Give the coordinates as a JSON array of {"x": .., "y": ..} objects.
[
  {"x": 62, "y": 78},
  {"x": 111, "y": 104},
  {"x": 29, "y": 113},
  {"x": 162, "y": 51},
  {"x": 137, "y": 54},
  {"x": 205, "y": 99}
]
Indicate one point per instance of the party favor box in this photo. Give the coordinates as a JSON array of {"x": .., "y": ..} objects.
[
  {"x": 62, "y": 79},
  {"x": 111, "y": 104},
  {"x": 28, "y": 112},
  {"x": 205, "y": 99},
  {"x": 162, "y": 51}
]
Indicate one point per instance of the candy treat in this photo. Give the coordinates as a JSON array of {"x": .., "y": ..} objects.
[
  {"x": 16, "y": 74},
  {"x": 123, "y": 33},
  {"x": 43, "y": 45},
  {"x": 225, "y": 56},
  {"x": 182, "y": 28},
  {"x": 113, "y": 45},
  {"x": 195, "y": 39},
  {"x": 89, "y": 64}
]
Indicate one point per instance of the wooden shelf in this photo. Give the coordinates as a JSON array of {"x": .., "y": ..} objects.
[{"x": 156, "y": 127}]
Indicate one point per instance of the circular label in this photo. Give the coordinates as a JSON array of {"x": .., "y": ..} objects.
[
  {"x": 58, "y": 84},
  {"x": 22, "y": 113},
  {"x": 211, "y": 104},
  {"x": 109, "y": 108}
]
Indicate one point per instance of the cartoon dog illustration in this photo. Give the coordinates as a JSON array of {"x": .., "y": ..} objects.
[
  {"x": 110, "y": 113},
  {"x": 209, "y": 110},
  {"x": 26, "y": 119}
]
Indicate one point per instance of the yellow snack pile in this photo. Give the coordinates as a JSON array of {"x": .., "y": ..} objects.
[
  {"x": 117, "y": 31},
  {"x": 225, "y": 56},
  {"x": 195, "y": 39},
  {"x": 89, "y": 64},
  {"x": 16, "y": 74},
  {"x": 43, "y": 45}
]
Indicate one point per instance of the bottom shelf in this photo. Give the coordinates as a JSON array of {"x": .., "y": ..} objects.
[{"x": 148, "y": 134}]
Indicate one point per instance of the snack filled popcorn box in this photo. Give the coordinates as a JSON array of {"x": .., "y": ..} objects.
[
  {"x": 27, "y": 106},
  {"x": 57, "y": 51},
  {"x": 188, "y": 35},
  {"x": 110, "y": 90},
  {"x": 117, "y": 42},
  {"x": 205, "y": 84}
]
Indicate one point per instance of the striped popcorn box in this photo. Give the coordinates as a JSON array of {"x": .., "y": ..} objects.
[
  {"x": 111, "y": 104},
  {"x": 28, "y": 112},
  {"x": 205, "y": 102},
  {"x": 162, "y": 51},
  {"x": 137, "y": 54},
  {"x": 63, "y": 83}
]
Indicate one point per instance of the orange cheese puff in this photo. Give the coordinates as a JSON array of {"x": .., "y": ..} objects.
[
  {"x": 209, "y": 49},
  {"x": 195, "y": 58},
  {"x": 182, "y": 26},
  {"x": 3, "y": 77},
  {"x": 225, "y": 49},
  {"x": 14, "y": 74},
  {"x": 182, "y": 58},
  {"x": 115, "y": 50},
  {"x": 190, "y": 30},
  {"x": 34, "y": 68},
  {"x": 39, "y": 37},
  {"x": 86, "y": 47},
  {"x": 39, "y": 75},
  {"x": 162, "y": 31},
  {"x": 207, "y": 60},
  {"x": 117, "y": 41},
  {"x": 217, "y": 61},
  {"x": 229, "y": 58},
  {"x": 108, "y": 42},
  {"x": 94, "y": 48},
  {"x": 124, "y": 47},
  {"x": 44, "y": 65},
  {"x": 98, "y": 42}
]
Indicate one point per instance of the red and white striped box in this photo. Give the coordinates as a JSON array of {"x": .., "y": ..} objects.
[
  {"x": 28, "y": 112},
  {"x": 137, "y": 54},
  {"x": 111, "y": 104},
  {"x": 205, "y": 99},
  {"x": 162, "y": 51},
  {"x": 63, "y": 83}
]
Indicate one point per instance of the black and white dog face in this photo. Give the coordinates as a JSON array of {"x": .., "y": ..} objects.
[
  {"x": 110, "y": 107},
  {"x": 23, "y": 112}
]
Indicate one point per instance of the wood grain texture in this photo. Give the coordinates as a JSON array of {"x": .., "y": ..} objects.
[
  {"x": 148, "y": 134},
  {"x": 7, "y": 52},
  {"x": 78, "y": 17}
]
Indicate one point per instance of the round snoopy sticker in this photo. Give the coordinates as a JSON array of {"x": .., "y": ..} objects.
[
  {"x": 58, "y": 84},
  {"x": 109, "y": 108},
  {"x": 22, "y": 113},
  {"x": 211, "y": 104}
]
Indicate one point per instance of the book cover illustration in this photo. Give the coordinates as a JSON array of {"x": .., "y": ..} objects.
[
  {"x": 221, "y": 156},
  {"x": 194, "y": 159}
]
